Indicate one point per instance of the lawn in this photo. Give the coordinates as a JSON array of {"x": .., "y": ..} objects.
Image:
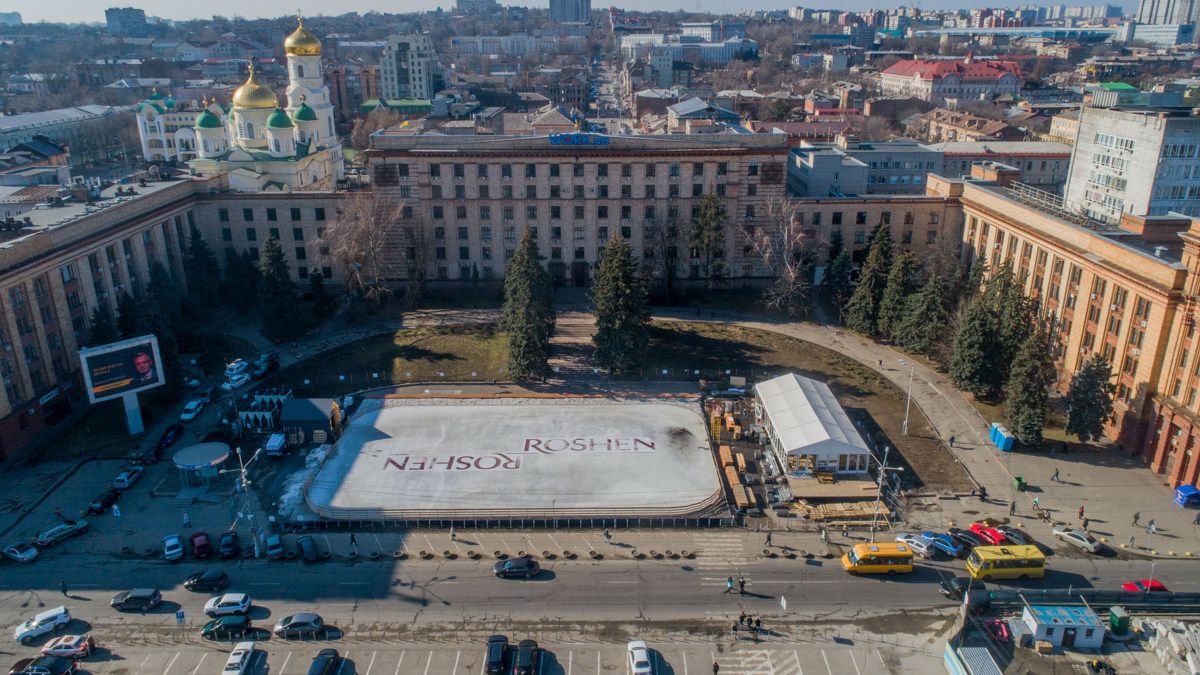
[
  {"x": 681, "y": 348},
  {"x": 1055, "y": 430},
  {"x": 451, "y": 354}
]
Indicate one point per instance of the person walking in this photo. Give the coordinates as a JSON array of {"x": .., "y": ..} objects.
[
  {"x": 758, "y": 624},
  {"x": 1137, "y": 515},
  {"x": 733, "y": 631},
  {"x": 1151, "y": 528},
  {"x": 1085, "y": 524},
  {"x": 353, "y": 543},
  {"x": 607, "y": 536},
  {"x": 1081, "y": 513},
  {"x": 1037, "y": 503},
  {"x": 952, "y": 441},
  {"x": 729, "y": 585},
  {"x": 1055, "y": 477},
  {"x": 1196, "y": 520},
  {"x": 453, "y": 536},
  {"x": 62, "y": 586},
  {"x": 716, "y": 668},
  {"x": 742, "y": 618},
  {"x": 1012, "y": 508},
  {"x": 845, "y": 531},
  {"x": 741, "y": 585},
  {"x": 187, "y": 522},
  {"x": 1131, "y": 542},
  {"x": 768, "y": 544}
]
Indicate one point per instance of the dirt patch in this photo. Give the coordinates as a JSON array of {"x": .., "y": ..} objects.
[{"x": 695, "y": 350}]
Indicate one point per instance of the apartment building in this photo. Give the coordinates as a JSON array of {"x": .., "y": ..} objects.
[
  {"x": 408, "y": 68},
  {"x": 1043, "y": 164}
]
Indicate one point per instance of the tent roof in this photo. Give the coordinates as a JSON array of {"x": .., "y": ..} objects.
[
  {"x": 306, "y": 410},
  {"x": 806, "y": 417}
]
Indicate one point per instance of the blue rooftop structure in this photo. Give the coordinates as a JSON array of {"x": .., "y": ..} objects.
[{"x": 1064, "y": 626}]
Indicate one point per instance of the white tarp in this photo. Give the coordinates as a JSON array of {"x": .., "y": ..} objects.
[{"x": 806, "y": 418}]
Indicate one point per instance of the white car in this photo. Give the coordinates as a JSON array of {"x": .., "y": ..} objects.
[
  {"x": 236, "y": 367},
  {"x": 70, "y": 646},
  {"x": 230, "y": 603},
  {"x": 1077, "y": 538},
  {"x": 235, "y": 381},
  {"x": 45, "y": 622},
  {"x": 639, "y": 658},
  {"x": 172, "y": 547},
  {"x": 21, "y": 552},
  {"x": 239, "y": 659},
  {"x": 128, "y": 477},
  {"x": 191, "y": 410},
  {"x": 919, "y": 545}
]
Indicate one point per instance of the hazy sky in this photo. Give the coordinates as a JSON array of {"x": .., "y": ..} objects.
[{"x": 93, "y": 11}]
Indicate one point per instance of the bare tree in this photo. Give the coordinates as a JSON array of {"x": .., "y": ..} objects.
[
  {"x": 784, "y": 250},
  {"x": 379, "y": 118},
  {"x": 660, "y": 260},
  {"x": 418, "y": 253},
  {"x": 358, "y": 240}
]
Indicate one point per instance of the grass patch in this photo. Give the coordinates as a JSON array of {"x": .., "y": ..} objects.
[
  {"x": 417, "y": 355},
  {"x": 681, "y": 348},
  {"x": 1054, "y": 432}
]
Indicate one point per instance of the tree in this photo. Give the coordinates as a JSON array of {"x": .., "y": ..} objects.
[
  {"x": 377, "y": 119},
  {"x": 975, "y": 365},
  {"x": 707, "y": 237},
  {"x": 621, "y": 315},
  {"x": 159, "y": 314},
  {"x": 239, "y": 280},
  {"x": 785, "y": 252},
  {"x": 923, "y": 327},
  {"x": 200, "y": 267},
  {"x": 102, "y": 329},
  {"x": 528, "y": 314},
  {"x": 1090, "y": 400},
  {"x": 279, "y": 309},
  {"x": 837, "y": 282},
  {"x": 862, "y": 312},
  {"x": 323, "y": 301},
  {"x": 127, "y": 316},
  {"x": 660, "y": 264},
  {"x": 902, "y": 281},
  {"x": 1028, "y": 389},
  {"x": 357, "y": 238}
]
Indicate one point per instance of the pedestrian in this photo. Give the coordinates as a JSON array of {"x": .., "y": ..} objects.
[
  {"x": 742, "y": 618},
  {"x": 1131, "y": 542},
  {"x": 1151, "y": 528},
  {"x": 353, "y": 543},
  {"x": 62, "y": 586},
  {"x": 58, "y": 513},
  {"x": 1137, "y": 515},
  {"x": 952, "y": 441},
  {"x": 1085, "y": 524},
  {"x": 741, "y": 585},
  {"x": 768, "y": 540},
  {"x": 1045, "y": 516},
  {"x": 716, "y": 668},
  {"x": 758, "y": 624},
  {"x": 1196, "y": 520},
  {"x": 880, "y": 363},
  {"x": 824, "y": 535},
  {"x": 607, "y": 536},
  {"x": 187, "y": 522},
  {"x": 729, "y": 585},
  {"x": 1037, "y": 503},
  {"x": 846, "y": 531},
  {"x": 733, "y": 631},
  {"x": 1081, "y": 513},
  {"x": 1055, "y": 477},
  {"x": 1012, "y": 508}
]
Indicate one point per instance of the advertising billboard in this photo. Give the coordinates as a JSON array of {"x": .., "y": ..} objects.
[{"x": 120, "y": 368}]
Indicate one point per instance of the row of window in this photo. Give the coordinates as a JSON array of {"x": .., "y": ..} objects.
[
  {"x": 272, "y": 233},
  {"x": 649, "y": 191},
  {"x": 576, "y": 170},
  {"x": 272, "y": 214}
]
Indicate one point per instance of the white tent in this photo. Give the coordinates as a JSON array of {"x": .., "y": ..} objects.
[{"x": 804, "y": 418}]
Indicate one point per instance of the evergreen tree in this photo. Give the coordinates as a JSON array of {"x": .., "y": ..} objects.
[
  {"x": 1028, "y": 389},
  {"x": 1015, "y": 322},
  {"x": 279, "y": 307},
  {"x": 837, "y": 244},
  {"x": 973, "y": 283},
  {"x": 707, "y": 236},
  {"x": 322, "y": 300},
  {"x": 837, "y": 281},
  {"x": 237, "y": 281},
  {"x": 159, "y": 314},
  {"x": 924, "y": 325},
  {"x": 102, "y": 329},
  {"x": 528, "y": 314},
  {"x": 201, "y": 269},
  {"x": 127, "y": 316},
  {"x": 621, "y": 315},
  {"x": 862, "y": 312},
  {"x": 975, "y": 365},
  {"x": 1090, "y": 400},
  {"x": 901, "y": 283}
]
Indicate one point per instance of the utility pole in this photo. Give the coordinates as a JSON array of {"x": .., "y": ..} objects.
[
  {"x": 908, "y": 399},
  {"x": 883, "y": 469}
]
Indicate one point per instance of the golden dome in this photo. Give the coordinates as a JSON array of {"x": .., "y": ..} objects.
[
  {"x": 301, "y": 42},
  {"x": 254, "y": 94}
]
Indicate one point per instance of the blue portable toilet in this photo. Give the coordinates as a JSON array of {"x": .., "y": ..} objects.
[
  {"x": 1002, "y": 437},
  {"x": 1187, "y": 495}
]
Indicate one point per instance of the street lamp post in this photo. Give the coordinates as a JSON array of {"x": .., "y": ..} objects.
[
  {"x": 1150, "y": 581},
  {"x": 908, "y": 398},
  {"x": 883, "y": 469}
]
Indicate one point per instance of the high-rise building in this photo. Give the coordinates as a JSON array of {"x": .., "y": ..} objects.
[
  {"x": 571, "y": 11},
  {"x": 408, "y": 67},
  {"x": 10, "y": 18},
  {"x": 127, "y": 21},
  {"x": 1168, "y": 11}
]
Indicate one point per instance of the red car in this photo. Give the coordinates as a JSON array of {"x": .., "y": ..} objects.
[
  {"x": 991, "y": 534},
  {"x": 1144, "y": 586},
  {"x": 201, "y": 545}
]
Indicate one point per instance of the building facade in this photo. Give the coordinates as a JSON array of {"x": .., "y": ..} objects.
[
  {"x": 571, "y": 11},
  {"x": 408, "y": 67},
  {"x": 1042, "y": 164},
  {"x": 1168, "y": 12},
  {"x": 936, "y": 81}
]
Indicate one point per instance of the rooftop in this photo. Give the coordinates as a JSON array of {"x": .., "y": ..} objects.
[{"x": 1031, "y": 148}]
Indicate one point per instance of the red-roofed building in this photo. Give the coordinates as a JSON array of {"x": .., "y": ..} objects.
[{"x": 936, "y": 81}]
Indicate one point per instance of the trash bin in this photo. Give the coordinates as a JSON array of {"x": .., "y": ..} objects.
[
  {"x": 1118, "y": 621},
  {"x": 1019, "y": 483}
]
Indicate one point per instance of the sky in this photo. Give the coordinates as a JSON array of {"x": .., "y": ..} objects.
[{"x": 92, "y": 11}]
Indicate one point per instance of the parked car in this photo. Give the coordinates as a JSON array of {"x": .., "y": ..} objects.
[
  {"x": 42, "y": 623},
  {"x": 326, "y": 662},
  {"x": 139, "y": 599},
  {"x": 235, "y": 382},
  {"x": 989, "y": 534},
  {"x": 128, "y": 477},
  {"x": 496, "y": 660},
  {"x": 206, "y": 581},
  {"x": 639, "y": 658},
  {"x": 917, "y": 543},
  {"x": 275, "y": 550},
  {"x": 21, "y": 552},
  {"x": 103, "y": 501},
  {"x": 264, "y": 368},
  {"x": 208, "y": 395},
  {"x": 954, "y": 587},
  {"x": 170, "y": 437},
  {"x": 61, "y": 532},
  {"x": 1144, "y": 586},
  {"x": 192, "y": 410},
  {"x": 1016, "y": 536},
  {"x": 236, "y": 367},
  {"x": 945, "y": 543},
  {"x": 1077, "y": 538},
  {"x": 229, "y": 603},
  {"x": 191, "y": 382},
  {"x": 524, "y": 567},
  {"x": 228, "y": 546},
  {"x": 301, "y": 624},
  {"x": 968, "y": 539},
  {"x": 201, "y": 545},
  {"x": 308, "y": 549},
  {"x": 527, "y": 658},
  {"x": 172, "y": 547},
  {"x": 70, "y": 647},
  {"x": 239, "y": 659},
  {"x": 43, "y": 665},
  {"x": 225, "y": 627}
]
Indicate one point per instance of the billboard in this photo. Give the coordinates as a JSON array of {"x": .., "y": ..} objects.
[{"x": 120, "y": 368}]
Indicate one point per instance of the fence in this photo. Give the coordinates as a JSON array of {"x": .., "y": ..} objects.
[
  {"x": 397, "y": 524},
  {"x": 1097, "y": 599}
]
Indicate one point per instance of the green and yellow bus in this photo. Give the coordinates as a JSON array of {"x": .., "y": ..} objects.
[
  {"x": 885, "y": 557},
  {"x": 1006, "y": 562}
]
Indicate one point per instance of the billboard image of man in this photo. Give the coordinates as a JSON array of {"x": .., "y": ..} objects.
[{"x": 143, "y": 364}]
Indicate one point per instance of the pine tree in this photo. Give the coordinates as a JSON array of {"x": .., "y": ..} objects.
[
  {"x": 1028, "y": 389},
  {"x": 1090, "y": 400},
  {"x": 924, "y": 325},
  {"x": 837, "y": 281},
  {"x": 893, "y": 304},
  {"x": 837, "y": 244},
  {"x": 621, "y": 315},
  {"x": 1015, "y": 322},
  {"x": 280, "y": 311},
  {"x": 127, "y": 316},
  {"x": 159, "y": 314},
  {"x": 528, "y": 314},
  {"x": 102, "y": 329},
  {"x": 707, "y": 236},
  {"x": 201, "y": 269},
  {"x": 322, "y": 300},
  {"x": 238, "y": 281},
  {"x": 862, "y": 312},
  {"x": 975, "y": 365}
]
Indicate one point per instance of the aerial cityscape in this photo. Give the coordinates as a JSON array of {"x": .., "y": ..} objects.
[{"x": 488, "y": 339}]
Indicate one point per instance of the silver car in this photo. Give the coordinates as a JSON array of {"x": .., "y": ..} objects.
[{"x": 1077, "y": 538}]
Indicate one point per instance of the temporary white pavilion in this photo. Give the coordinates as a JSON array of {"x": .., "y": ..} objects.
[{"x": 804, "y": 418}]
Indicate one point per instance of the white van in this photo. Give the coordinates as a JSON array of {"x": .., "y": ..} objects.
[{"x": 46, "y": 622}]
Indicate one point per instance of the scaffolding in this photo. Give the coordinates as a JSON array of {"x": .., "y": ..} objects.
[{"x": 1052, "y": 203}]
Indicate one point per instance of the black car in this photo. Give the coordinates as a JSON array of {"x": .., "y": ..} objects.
[
  {"x": 43, "y": 665},
  {"x": 207, "y": 581},
  {"x": 230, "y": 625},
  {"x": 208, "y": 395},
  {"x": 524, "y": 567},
  {"x": 104, "y": 501},
  {"x": 953, "y": 587},
  {"x": 528, "y": 655},
  {"x": 1015, "y": 536},
  {"x": 308, "y": 549},
  {"x": 496, "y": 661},
  {"x": 326, "y": 662},
  {"x": 139, "y": 599},
  {"x": 228, "y": 546},
  {"x": 967, "y": 538},
  {"x": 264, "y": 368}
]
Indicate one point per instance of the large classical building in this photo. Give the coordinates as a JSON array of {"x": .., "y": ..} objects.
[{"x": 965, "y": 80}]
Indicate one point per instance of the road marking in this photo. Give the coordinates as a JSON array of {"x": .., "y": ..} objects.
[
  {"x": 345, "y": 659},
  {"x": 457, "y": 656},
  {"x": 554, "y": 541},
  {"x": 265, "y": 583},
  {"x": 597, "y": 661},
  {"x": 399, "y": 663},
  {"x": 799, "y": 670},
  {"x": 685, "y": 672},
  {"x": 570, "y": 661},
  {"x": 854, "y": 661},
  {"x": 285, "y": 662},
  {"x": 352, "y": 583},
  {"x": 622, "y": 582},
  {"x": 371, "y": 664},
  {"x": 430, "y": 660},
  {"x": 171, "y": 663},
  {"x": 143, "y": 664},
  {"x": 826, "y": 659},
  {"x": 197, "y": 668}
]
